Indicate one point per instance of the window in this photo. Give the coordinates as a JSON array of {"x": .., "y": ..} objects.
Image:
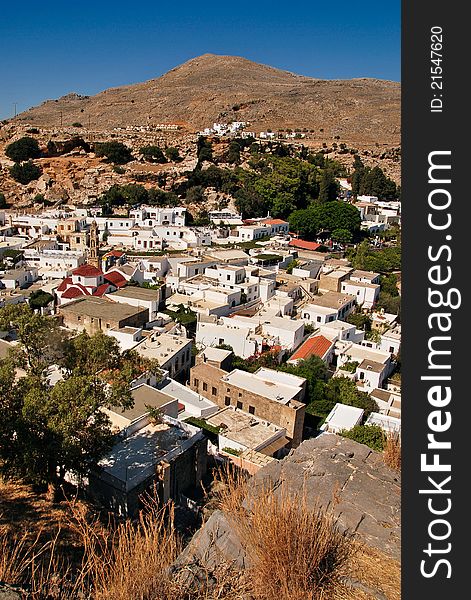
[
  {"x": 221, "y": 341},
  {"x": 214, "y": 391},
  {"x": 391, "y": 349},
  {"x": 252, "y": 410},
  {"x": 205, "y": 386},
  {"x": 227, "y": 401},
  {"x": 318, "y": 319},
  {"x": 108, "y": 326},
  {"x": 362, "y": 376},
  {"x": 239, "y": 404},
  {"x": 196, "y": 382}
]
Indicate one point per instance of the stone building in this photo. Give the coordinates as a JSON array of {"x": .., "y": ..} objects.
[
  {"x": 94, "y": 314},
  {"x": 267, "y": 394}
]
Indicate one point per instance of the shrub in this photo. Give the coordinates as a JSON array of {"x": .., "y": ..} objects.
[
  {"x": 115, "y": 152},
  {"x": 23, "y": 149},
  {"x": 370, "y": 435},
  {"x": 3, "y": 202},
  {"x": 172, "y": 154},
  {"x": 153, "y": 154},
  {"x": 25, "y": 172},
  {"x": 77, "y": 124}
]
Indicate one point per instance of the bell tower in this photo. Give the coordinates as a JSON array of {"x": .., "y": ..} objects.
[{"x": 93, "y": 258}]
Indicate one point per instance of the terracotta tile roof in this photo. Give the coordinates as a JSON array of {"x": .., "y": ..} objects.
[
  {"x": 63, "y": 286},
  {"x": 116, "y": 278},
  {"x": 317, "y": 345},
  {"x": 275, "y": 222},
  {"x": 101, "y": 289},
  {"x": 87, "y": 271},
  {"x": 304, "y": 245},
  {"x": 116, "y": 253},
  {"x": 74, "y": 292}
]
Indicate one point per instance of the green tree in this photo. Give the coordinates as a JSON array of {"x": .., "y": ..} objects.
[
  {"x": 47, "y": 430},
  {"x": 40, "y": 338},
  {"x": 360, "y": 320},
  {"x": 3, "y": 202},
  {"x": 172, "y": 154},
  {"x": 40, "y": 299},
  {"x": 119, "y": 195},
  {"x": 153, "y": 154},
  {"x": 233, "y": 153},
  {"x": 115, "y": 152},
  {"x": 345, "y": 391},
  {"x": 370, "y": 435},
  {"x": 344, "y": 236},
  {"x": 23, "y": 149},
  {"x": 328, "y": 186},
  {"x": 25, "y": 172}
]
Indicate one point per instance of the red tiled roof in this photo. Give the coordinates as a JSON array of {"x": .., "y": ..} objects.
[
  {"x": 87, "y": 271},
  {"x": 317, "y": 345},
  {"x": 116, "y": 278},
  {"x": 304, "y": 245},
  {"x": 181, "y": 407},
  {"x": 65, "y": 282},
  {"x": 116, "y": 253},
  {"x": 101, "y": 289},
  {"x": 73, "y": 292},
  {"x": 275, "y": 222}
]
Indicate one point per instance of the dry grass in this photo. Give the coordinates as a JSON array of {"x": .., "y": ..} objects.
[
  {"x": 392, "y": 452},
  {"x": 296, "y": 552}
]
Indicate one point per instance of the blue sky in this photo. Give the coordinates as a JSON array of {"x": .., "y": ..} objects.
[{"x": 51, "y": 48}]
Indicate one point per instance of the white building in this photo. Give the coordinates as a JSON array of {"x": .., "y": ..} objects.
[
  {"x": 366, "y": 294},
  {"x": 342, "y": 417}
]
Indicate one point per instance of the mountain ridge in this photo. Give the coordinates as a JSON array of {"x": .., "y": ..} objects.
[{"x": 211, "y": 88}]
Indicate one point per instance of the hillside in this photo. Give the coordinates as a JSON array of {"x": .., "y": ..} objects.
[{"x": 362, "y": 112}]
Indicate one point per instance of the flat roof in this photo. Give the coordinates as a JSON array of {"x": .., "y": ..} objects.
[
  {"x": 244, "y": 428},
  {"x": 227, "y": 254},
  {"x": 386, "y": 422},
  {"x": 101, "y": 309},
  {"x": 332, "y": 300},
  {"x": 360, "y": 273},
  {"x": 137, "y": 293},
  {"x": 360, "y": 284},
  {"x": 186, "y": 395},
  {"x": 326, "y": 310},
  {"x": 280, "y": 377},
  {"x": 132, "y": 458},
  {"x": 216, "y": 354},
  {"x": 371, "y": 365},
  {"x": 162, "y": 347},
  {"x": 266, "y": 387},
  {"x": 143, "y": 396},
  {"x": 344, "y": 416}
]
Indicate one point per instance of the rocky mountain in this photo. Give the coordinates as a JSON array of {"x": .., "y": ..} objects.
[{"x": 209, "y": 88}]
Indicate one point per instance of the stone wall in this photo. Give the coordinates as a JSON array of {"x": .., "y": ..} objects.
[{"x": 204, "y": 377}]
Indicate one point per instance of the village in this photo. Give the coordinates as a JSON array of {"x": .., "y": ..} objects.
[{"x": 235, "y": 313}]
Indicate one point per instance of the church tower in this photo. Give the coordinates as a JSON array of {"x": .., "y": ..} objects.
[{"x": 93, "y": 258}]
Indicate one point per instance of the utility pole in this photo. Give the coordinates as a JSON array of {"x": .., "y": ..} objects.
[
  {"x": 61, "y": 118},
  {"x": 15, "y": 104}
]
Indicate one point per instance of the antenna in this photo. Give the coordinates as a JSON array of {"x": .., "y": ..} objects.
[{"x": 15, "y": 104}]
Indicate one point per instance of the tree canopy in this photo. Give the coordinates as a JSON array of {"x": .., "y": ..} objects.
[
  {"x": 25, "y": 172},
  {"x": 329, "y": 216},
  {"x": 23, "y": 149},
  {"x": 153, "y": 154},
  {"x": 370, "y": 435},
  {"x": 115, "y": 152},
  {"x": 47, "y": 430}
]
